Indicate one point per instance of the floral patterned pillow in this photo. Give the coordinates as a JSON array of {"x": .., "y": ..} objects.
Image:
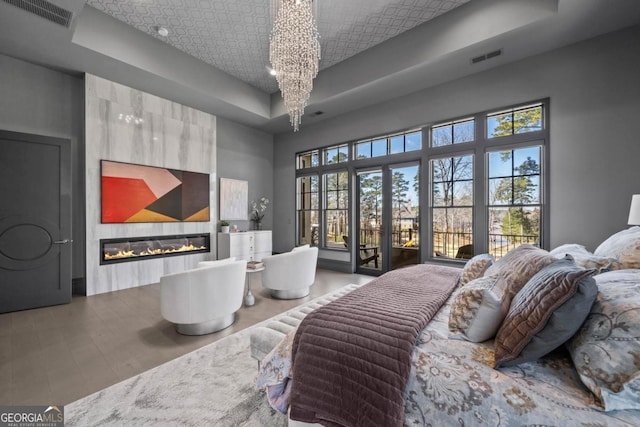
[
  {"x": 606, "y": 350},
  {"x": 479, "y": 308},
  {"x": 586, "y": 259},
  {"x": 475, "y": 268},
  {"x": 519, "y": 265},
  {"x": 623, "y": 246}
]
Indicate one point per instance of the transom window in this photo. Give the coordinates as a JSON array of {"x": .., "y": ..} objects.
[
  {"x": 310, "y": 159},
  {"x": 515, "y": 121},
  {"x": 337, "y": 154},
  {"x": 453, "y": 133},
  {"x": 393, "y": 144}
]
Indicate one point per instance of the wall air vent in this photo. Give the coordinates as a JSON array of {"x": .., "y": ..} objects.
[
  {"x": 45, "y": 9},
  {"x": 486, "y": 56}
]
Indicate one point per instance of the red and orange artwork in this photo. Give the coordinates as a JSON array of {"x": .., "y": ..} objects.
[{"x": 137, "y": 193}]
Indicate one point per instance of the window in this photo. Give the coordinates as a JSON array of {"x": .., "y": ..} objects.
[
  {"x": 487, "y": 186},
  {"x": 452, "y": 133},
  {"x": 514, "y": 198},
  {"x": 394, "y": 144},
  {"x": 308, "y": 208},
  {"x": 452, "y": 205},
  {"x": 338, "y": 154},
  {"x": 336, "y": 209},
  {"x": 308, "y": 159},
  {"x": 516, "y": 121}
]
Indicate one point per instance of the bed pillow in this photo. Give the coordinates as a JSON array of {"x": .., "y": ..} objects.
[
  {"x": 606, "y": 350},
  {"x": 478, "y": 309},
  {"x": 548, "y": 310},
  {"x": 519, "y": 265},
  {"x": 623, "y": 246},
  {"x": 475, "y": 268},
  {"x": 584, "y": 258}
]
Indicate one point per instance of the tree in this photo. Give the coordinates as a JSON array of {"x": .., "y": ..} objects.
[
  {"x": 518, "y": 122},
  {"x": 519, "y": 191}
]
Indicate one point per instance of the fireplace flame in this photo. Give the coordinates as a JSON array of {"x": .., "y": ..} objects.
[{"x": 150, "y": 251}]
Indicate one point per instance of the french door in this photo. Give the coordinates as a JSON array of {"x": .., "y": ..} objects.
[{"x": 388, "y": 214}]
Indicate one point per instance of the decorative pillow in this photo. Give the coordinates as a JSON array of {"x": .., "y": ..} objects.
[
  {"x": 547, "y": 312},
  {"x": 299, "y": 248},
  {"x": 584, "y": 258},
  {"x": 623, "y": 246},
  {"x": 478, "y": 309},
  {"x": 519, "y": 265},
  {"x": 606, "y": 350},
  {"x": 475, "y": 268}
]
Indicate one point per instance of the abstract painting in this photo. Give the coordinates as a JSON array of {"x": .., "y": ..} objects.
[
  {"x": 234, "y": 199},
  {"x": 137, "y": 193}
]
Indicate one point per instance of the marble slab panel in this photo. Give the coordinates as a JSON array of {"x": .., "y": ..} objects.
[{"x": 127, "y": 125}]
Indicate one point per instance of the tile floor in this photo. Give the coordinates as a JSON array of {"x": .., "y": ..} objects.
[{"x": 55, "y": 355}]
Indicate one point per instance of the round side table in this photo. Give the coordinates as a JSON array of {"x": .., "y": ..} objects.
[{"x": 249, "y": 300}]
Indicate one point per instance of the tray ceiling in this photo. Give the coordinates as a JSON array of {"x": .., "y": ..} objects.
[{"x": 234, "y": 35}]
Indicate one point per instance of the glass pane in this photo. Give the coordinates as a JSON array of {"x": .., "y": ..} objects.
[
  {"x": 343, "y": 153},
  {"x": 499, "y": 125},
  {"x": 308, "y": 227},
  {"x": 336, "y": 228},
  {"x": 463, "y": 193},
  {"x": 441, "y": 194},
  {"x": 332, "y": 200},
  {"x": 441, "y": 136},
  {"x": 500, "y": 191},
  {"x": 441, "y": 169},
  {"x": 379, "y": 148},
  {"x": 526, "y": 161},
  {"x": 369, "y": 250},
  {"x": 330, "y": 156},
  {"x": 526, "y": 190},
  {"x": 463, "y": 132},
  {"x": 343, "y": 199},
  {"x": 405, "y": 212},
  {"x": 343, "y": 180},
  {"x": 396, "y": 144},
  {"x": 413, "y": 141},
  {"x": 462, "y": 167},
  {"x": 529, "y": 120},
  {"x": 500, "y": 164},
  {"x": 511, "y": 227},
  {"x": 363, "y": 150},
  {"x": 308, "y": 160},
  {"x": 452, "y": 232}
]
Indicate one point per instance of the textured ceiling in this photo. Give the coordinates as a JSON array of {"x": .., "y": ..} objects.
[{"x": 234, "y": 35}]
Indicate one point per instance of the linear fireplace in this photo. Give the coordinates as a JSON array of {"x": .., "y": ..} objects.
[{"x": 137, "y": 248}]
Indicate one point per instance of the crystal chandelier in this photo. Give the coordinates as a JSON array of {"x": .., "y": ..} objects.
[{"x": 294, "y": 54}]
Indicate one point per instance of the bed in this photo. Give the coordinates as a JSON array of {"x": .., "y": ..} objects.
[{"x": 536, "y": 338}]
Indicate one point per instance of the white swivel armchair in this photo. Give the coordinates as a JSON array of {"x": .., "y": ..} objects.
[
  {"x": 205, "y": 299},
  {"x": 289, "y": 275}
]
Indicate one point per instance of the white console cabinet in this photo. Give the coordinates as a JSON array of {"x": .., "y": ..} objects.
[{"x": 247, "y": 245}]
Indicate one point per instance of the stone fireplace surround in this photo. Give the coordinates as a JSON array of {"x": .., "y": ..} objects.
[{"x": 127, "y": 125}]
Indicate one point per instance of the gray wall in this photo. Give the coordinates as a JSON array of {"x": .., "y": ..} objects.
[
  {"x": 38, "y": 100},
  {"x": 594, "y": 92},
  {"x": 247, "y": 154}
]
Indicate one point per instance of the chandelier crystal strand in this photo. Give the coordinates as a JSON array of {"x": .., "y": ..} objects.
[{"x": 294, "y": 54}]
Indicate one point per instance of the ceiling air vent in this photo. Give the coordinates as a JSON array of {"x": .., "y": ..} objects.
[
  {"x": 44, "y": 9},
  {"x": 486, "y": 56}
]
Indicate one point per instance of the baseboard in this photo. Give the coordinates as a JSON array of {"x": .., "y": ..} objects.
[{"x": 330, "y": 264}]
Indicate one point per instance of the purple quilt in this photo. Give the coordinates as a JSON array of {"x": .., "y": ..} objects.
[{"x": 351, "y": 358}]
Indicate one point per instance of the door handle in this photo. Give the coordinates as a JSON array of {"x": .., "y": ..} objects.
[{"x": 62, "y": 242}]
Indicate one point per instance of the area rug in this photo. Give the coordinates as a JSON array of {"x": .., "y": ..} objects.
[{"x": 212, "y": 386}]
